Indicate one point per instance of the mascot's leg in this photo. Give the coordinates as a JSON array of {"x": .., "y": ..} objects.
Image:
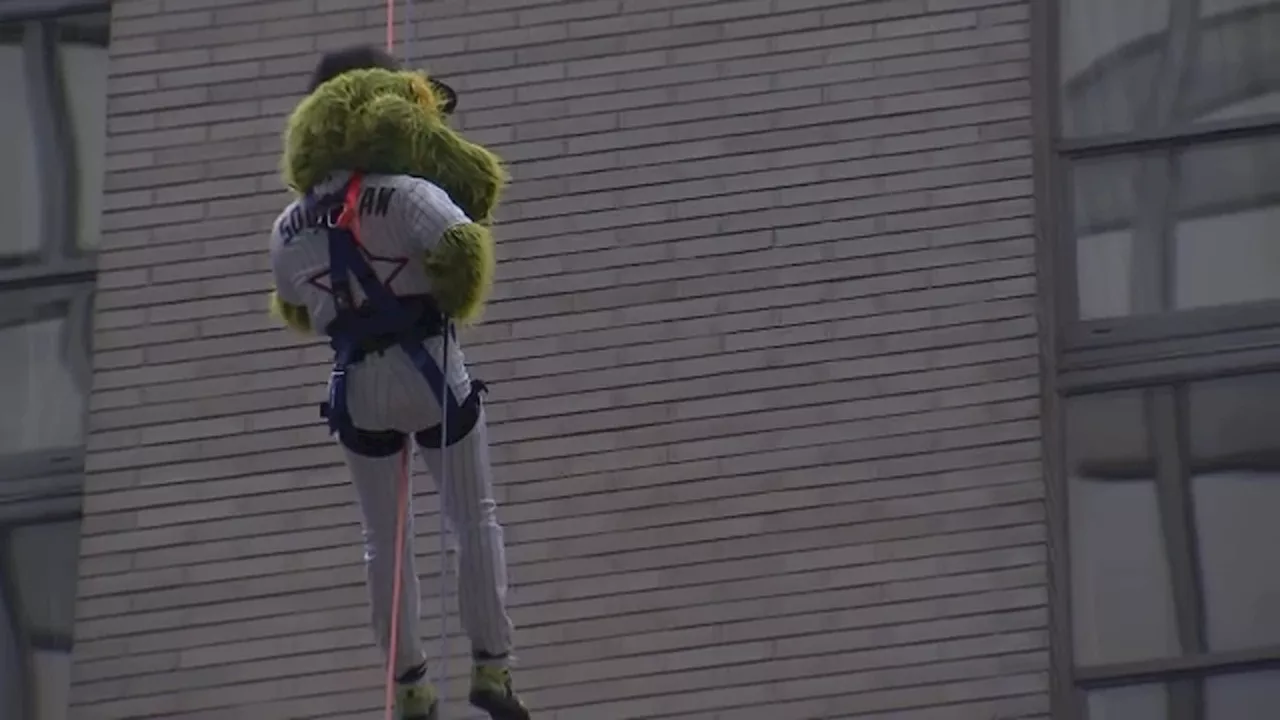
[
  {"x": 467, "y": 489},
  {"x": 377, "y": 472}
]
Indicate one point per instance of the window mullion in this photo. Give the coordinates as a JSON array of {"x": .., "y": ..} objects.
[
  {"x": 39, "y": 53},
  {"x": 1154, "y": 194},
  {"x": 10, "y": 615},
  {"x": 1171, "y": 482}
]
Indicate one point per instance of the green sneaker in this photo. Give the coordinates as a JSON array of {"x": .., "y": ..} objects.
[
  {"x": 491, "y": 692},
  {"x": 415, "y": 701}
]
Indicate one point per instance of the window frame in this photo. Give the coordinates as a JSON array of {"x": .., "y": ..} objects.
[
  {"x": 1185, "y": 329},
  {"x": 25, "y": 641},
  {"x": 46, "y": 487},
  {"x": 1160, "y": 352}
]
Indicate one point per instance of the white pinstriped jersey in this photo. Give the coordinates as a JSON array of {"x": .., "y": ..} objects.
[{"x": 400, "y": 219}]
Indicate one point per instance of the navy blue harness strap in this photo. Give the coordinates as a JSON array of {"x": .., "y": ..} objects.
[{"x": 382, "y": 316}]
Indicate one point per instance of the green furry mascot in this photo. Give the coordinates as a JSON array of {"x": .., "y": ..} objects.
[
  {"x": 386, "y": 246},
  {"x": 394, "y": 122}
]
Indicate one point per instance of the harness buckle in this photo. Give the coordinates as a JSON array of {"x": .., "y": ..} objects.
[{"x": 336, "y": 217}]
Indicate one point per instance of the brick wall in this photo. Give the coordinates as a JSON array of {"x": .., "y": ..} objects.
[{"x": 763, "y": 365}]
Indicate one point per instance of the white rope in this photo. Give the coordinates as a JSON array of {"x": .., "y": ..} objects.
[{"x": 408, "y": 38}]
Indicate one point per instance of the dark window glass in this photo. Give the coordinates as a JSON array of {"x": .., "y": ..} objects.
[
  {"x": 1234, "y": 427},
  {"x": 1177, "y": 229},
  {"x": 1121, "y": 591},
  {"x": 1147, "y": 65}
]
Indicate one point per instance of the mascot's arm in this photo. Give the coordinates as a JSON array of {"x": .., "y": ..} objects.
[
  {"x": 282, "y": 304},
  {"x": 461, "y": 267},
  {"x": 459, "y": 261},
  {"x": 294, "y": 317}
]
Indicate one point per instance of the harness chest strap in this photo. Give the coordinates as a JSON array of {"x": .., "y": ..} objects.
[{"x": 352, "y": 329}]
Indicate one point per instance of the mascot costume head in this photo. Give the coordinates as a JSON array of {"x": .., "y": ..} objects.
[{"x": 367, "y": 114}]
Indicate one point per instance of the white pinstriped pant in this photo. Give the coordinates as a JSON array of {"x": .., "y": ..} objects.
[{"x": 386, "y": 392}]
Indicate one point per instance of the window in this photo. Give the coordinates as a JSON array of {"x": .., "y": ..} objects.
[
  {"x": 53, "y": 57},
  {"x": 1160, "y": 200},
  {"x": 1166, "y": 144}
]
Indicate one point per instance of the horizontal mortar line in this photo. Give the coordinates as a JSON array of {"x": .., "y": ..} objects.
[
  {"x": 500, "y": 419},
  {"x": 429, "y": 565},
  {"x": 650, "y": 465},
  {"x": 425, "y": 512},
  {"x": 431, "y": 568},
  {"x": 267, "y": 73},
  {"x": 500, "y": 147},
  {"x": 329, "y": 556},
  {"x": 482, "y": 366},
  {"x": 693, "y": 292},
  {"x": 508, "y": 241},
  {"x": 775, "y": 258},
  {"x": 351, "y": 599},
  {"x": 778, "y": 206},
  {"x": 622, "y": 125},
  {"x": 502, "y": 331},
  {"x": 425, "y": 499},
  {"x": 428, "y": 509},
  {"x": 740, "y": 619},
  {"x": 459, "y": 80},
  {"x": 685, "y": 179},
  {"x": 533, "y": 436},
  {"x": 357, "y": 586},
  {"x": 900, "y": 688},
  {"x": 286, "y": 430},
  {"x": 623, "y": 424},
  {"x": 564, "y": 476},
  {"x": 482, "y": 351},
  {"x": 643, "y": 558},
  {"x": 980, "y": 161},
  {"x": 431, "y": 554},
  {"x": 762, "y": 259},
  {"x": 798, "y": 144},
  {"x": 532, "y": 181},
  {"x": 467, "y": 128},
  {"x": 563, "y": 152},
  {"x": 924, "y": 207},
  {"x": 658, "y": 674},
  {"x": 984, "y": 703},
  {"x": 458, "y": 674},
  {"x": 917, "y": 701},
  {"x": 802, "y": 124},
  {"x": 358, "y": 706},
  {"x": 781, "y": 64},
  {"x": 238, "y": 534},
  {"x": 552, "y": 667},
  {"x": 317, "y": 371},
  {"x": 353, "y": 575},
  {"x": 304, "y": 378},
  {"x": 1011, "y": 585}
]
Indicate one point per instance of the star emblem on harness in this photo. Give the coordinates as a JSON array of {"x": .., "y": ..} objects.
[{"x": 320, "y": 279}]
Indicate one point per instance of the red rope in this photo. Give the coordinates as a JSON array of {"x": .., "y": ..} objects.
[
  {"x": 402, "y": 513},
  {"x": 402, "y": 501}
]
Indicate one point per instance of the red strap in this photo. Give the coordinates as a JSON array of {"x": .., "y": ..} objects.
[{"x": 349, "y": 216}]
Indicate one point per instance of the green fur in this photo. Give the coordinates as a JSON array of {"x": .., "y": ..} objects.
[
  {"x": 378, "y": 121},
  {"x": 293, "y": 316},
  {"x": 384, "y": 122},
  {"x": 461, "y": 268}
]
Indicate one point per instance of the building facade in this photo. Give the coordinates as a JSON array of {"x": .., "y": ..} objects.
[{"x": 878, "y": 359}]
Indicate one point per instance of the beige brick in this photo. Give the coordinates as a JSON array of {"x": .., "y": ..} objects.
[{"x": 763, "y": 353}]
